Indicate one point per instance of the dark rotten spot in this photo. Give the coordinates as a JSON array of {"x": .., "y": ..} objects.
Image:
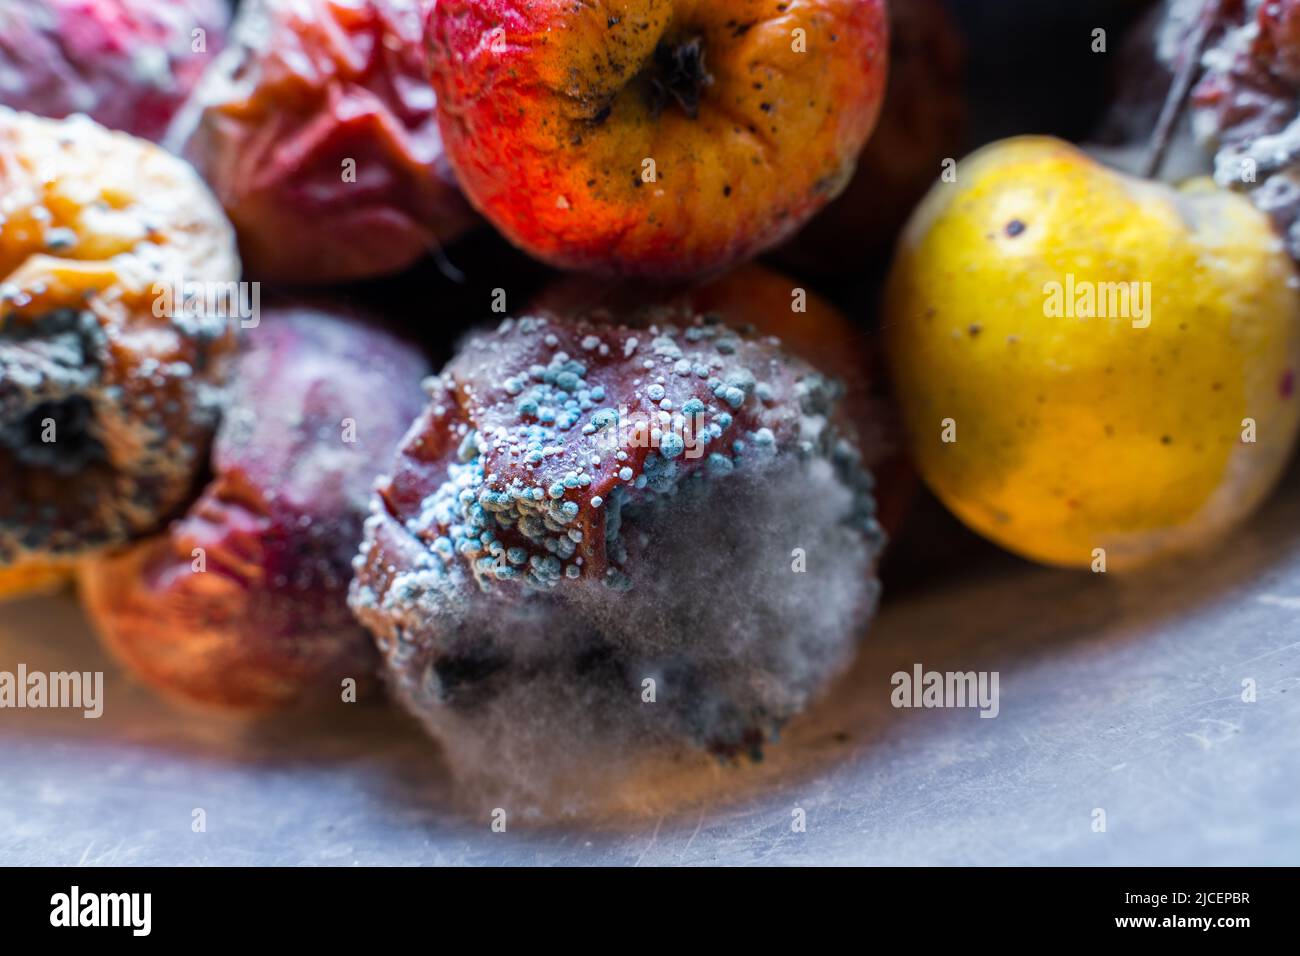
[{"x": 678, "y": 73}]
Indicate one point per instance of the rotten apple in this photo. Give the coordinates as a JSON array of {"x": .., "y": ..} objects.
[
  {"x": 241, "y": 603},
  {"x": 597, "y": 502},
  {"x": 316, "y": 130},
  {"x": 109, "y": 391},
  {"x": 1240, "y": 62},
  {"x": 655, "y": 137},
  {"x": 128, "y": 64}
]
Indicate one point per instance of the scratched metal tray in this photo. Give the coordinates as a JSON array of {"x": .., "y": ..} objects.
[{"x": 1119, "y": 694}]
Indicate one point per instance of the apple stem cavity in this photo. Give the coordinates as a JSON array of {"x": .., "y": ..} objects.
[
  {"x": 679, "y": 72},
  {"x": 1188, "y": 70}
]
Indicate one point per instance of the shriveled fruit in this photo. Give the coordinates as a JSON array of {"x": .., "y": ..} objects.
[
  {"x": 128, "y": 64},
  {"x": 109, "y": 385},
  {"x": 317, "y": 131},
  {"x": 241, "y": 603}
]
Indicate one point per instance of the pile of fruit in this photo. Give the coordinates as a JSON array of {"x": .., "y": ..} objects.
[{"x": 643, "y": 511}]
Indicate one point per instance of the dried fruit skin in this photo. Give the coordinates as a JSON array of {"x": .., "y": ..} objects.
[
  {"x": 316, "y": 130},
  {"x": 1245, "y": 108},
  {"x": 128, "y": 64},
  {"x": 584, "y": 506},
  {"x": 108, "y": 392},
  {"x": 1248, "y": 106},
  {"x": 655, "y": 137},
  {"x": 1089, "y": 361},
  {"x": 241, "y": 604}
]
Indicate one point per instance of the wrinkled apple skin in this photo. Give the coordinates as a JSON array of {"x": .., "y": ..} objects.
[
  {"x": 128, "y": 64},
  {"x": 241, "y": 603},
  {"x": 551, "y": 111},
  {"x": 316, "y": 130},
  {"x": 109, "y": 392},
  {"x": 1070, "y": 434},
  {"x": 1253, "y": 88},
  {"x": 922, "y": 124},
  {"x": 1243, "y": 124},
  {"x": 1248, "y": 107}
]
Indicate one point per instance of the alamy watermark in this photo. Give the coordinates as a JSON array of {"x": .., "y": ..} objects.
[
  {"x": 1082, "y": 299},
  {"x": 675, "y": 434},
  {"x": 228, "y": 300},
  {"x": 925, "y": 689},
  {"x": 75, "y": 908},
  {"x": 73, "y": 690}
]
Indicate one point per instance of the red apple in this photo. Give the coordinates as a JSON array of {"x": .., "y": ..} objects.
[
  {"x": 655, "y": 137},
  {"x": 241, "y": 603},
  {"x": 316, "y": 130}
]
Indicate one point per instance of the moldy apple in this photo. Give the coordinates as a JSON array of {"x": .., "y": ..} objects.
[
  {"x": 107, "y": 403},
  {"x": 533, "y": 560}
]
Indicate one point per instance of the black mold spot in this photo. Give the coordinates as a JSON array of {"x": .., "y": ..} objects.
[{"x": 73, "y": 447}]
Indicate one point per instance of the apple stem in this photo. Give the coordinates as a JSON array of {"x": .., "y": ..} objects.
[{"x": 1184, "y": 77}]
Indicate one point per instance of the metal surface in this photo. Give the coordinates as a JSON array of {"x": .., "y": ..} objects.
[{"x": 1123, "y": 694}]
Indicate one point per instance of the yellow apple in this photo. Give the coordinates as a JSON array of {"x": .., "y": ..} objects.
[{"x": 1094, "y": 370}]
